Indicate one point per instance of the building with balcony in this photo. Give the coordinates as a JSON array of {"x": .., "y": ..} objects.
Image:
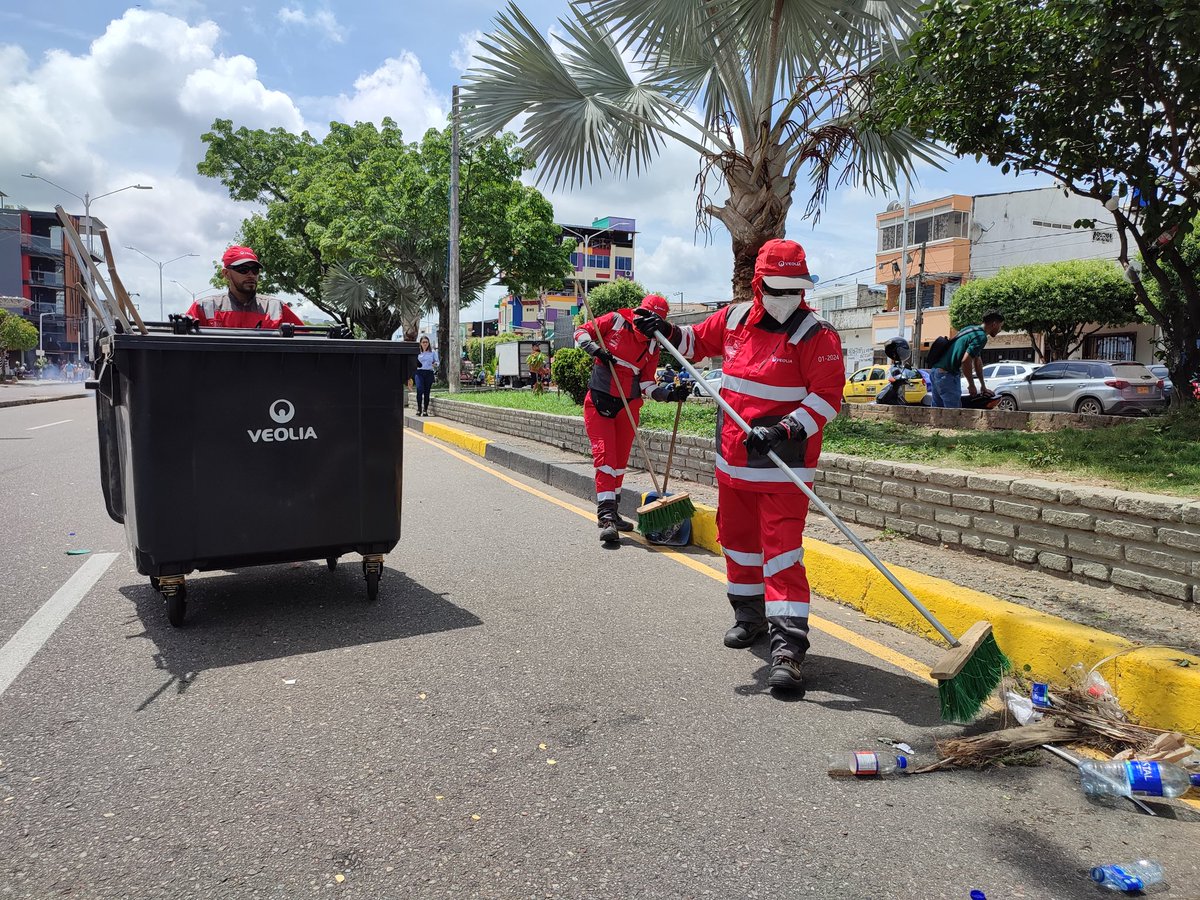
[
  {"x": 850, "y": 309},
  {"x": 953, "y": 239},
  {"x": 41, "y": 279},
  {"x": 604, "y": 253}
]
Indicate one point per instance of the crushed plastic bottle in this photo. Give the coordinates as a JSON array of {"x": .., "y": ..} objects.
[
  {"x": 868, "y": 764},
  {"x": 1097, "y": 687},
  {"x": 1111, "y": 779},
  {"x": 1039, "y": 695},
  {"x": 1129, "y": 878}
]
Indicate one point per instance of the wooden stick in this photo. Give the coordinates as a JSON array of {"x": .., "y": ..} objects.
[
  {"x": 118, "y": 285},
  {"x": 625, "y": 403},
  {"x": 671, "y": 450},
  {"x": 84, "y": 258}
]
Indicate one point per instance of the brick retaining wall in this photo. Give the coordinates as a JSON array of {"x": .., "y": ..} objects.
[{"x": 1146, "y": 542}]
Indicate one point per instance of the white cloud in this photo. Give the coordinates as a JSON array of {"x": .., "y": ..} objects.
[
  {"x": 129, "y": 110},
  {"x": 468, "y": 46},
  {"x": 400, "y": 89},
  {"x": 322, "y": 21}
]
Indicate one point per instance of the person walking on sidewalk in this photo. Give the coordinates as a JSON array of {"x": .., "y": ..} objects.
[
  {"x": 427, "y": 363},
  {"x": 964, "y": 356},
  {"x": 612, "y": 339},
  {"x": 783, "y": 373}
]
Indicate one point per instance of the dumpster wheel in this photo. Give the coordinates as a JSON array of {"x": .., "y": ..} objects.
[
  {"x": 372, "y": 569},
  {"x": 174, "y": 591},
  {"x": 331, "y": 563}
]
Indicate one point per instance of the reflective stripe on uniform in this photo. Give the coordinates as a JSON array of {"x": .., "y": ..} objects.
[
  {"x": 790, "y": 608},
  {"x": 736, "y": 313},
  {"x": 687, "y": 341},
  {"x": 744, "y": 590},
  {"x": 743, "y": 558},
  {"x": 606, "y": 495},
  {"x": 648, "y": 385},
  {"x": 809, "y": 323},
  {"x": 770, "y": 475},
  {"x": 760, "y": 390},
  {"x": 609, "y": 470},
  {"x": 820, "y": 406},
  {"x": 786, "y": 560},
  {"x": 807, "y": 422},
  {"x": 628, "y": 365}
]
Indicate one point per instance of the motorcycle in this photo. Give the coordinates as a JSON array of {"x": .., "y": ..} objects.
[{"x": 900, "y": 375}]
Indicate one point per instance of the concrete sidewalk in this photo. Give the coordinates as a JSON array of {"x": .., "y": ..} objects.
[
  {"x": 1044, "y": 623},
  {"x": 24, "y": 393}
]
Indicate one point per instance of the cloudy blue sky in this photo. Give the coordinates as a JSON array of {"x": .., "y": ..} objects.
[{"x": 95, "y": 96}]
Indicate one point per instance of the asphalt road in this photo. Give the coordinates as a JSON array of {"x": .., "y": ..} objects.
[{"x": 521, "y": 714}]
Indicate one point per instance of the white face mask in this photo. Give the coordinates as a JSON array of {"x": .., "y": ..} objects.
[{"x": 779, "y": 308}]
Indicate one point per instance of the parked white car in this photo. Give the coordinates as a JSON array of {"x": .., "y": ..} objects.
[{"x": 1001, "y": 374}]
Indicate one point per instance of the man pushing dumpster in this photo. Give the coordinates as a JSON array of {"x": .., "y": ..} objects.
[
  {"x": 783, "y": 373},
  {"x": 241, "y": 306}
]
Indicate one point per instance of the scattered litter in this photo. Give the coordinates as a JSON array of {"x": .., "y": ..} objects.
[
  {"x": 1129, "y": 878},
  {"x": 899, "y": 745},
  {"x": 80, "y": 552},
  {"x": 1021, "y": 708},
  {"x": 339, "y": 878},
  {"x": 475, "y": 817},
  {"x": 421, "y": 696},
  {"x": 868, "y": 764},
  {"x": 1171, "y": 747},
  {"x": 189, "y": 676},
  {"x": 439, "y": 798},
  {"x": 552, "y": 762},
  {"x": 1039, "y": 695},
  {"x": 1113, "y": 779},
  {"x": 978, "y": 895},
  {"x": 109, "y": 815},
  {"x": 70, "y": 534},
  {"x": 289, "y": 681},
  {"x": 541, "y": 746}
]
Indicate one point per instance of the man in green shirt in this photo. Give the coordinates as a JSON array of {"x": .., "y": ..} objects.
[{"x": 963, "y": 356}]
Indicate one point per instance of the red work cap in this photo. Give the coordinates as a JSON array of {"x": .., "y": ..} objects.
[
  {"x": 781, "y": 265},
  {"x": 656, "y": 304},
  {"x": 239, "y": 256}
]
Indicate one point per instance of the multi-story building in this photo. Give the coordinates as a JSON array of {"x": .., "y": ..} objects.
[
  {"x": 850, "y": 309},
  {"x": 604, "y": 253},
  {"x": 41, "y": 280},
  {"x": 952, "y": 239}
]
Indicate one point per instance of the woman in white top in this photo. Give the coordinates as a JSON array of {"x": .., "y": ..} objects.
[{"x": 427, "y": 361}]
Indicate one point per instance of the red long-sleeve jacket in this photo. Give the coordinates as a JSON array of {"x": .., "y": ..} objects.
[
  {"x": 222, "y": 311},
  {"x": 770, "y": 371},
  {"x": 637, "y": 355}
]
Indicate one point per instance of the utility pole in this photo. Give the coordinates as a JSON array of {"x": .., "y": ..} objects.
[
  {"x": 916, "y": 345},
  {"x": 454, "y": 351},
  {"x": 903, "y": 268}
]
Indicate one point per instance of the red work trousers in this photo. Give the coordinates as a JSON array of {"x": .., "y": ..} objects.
[
  {"x": 763, "y": 539},
  {"x": 611, "y": 441}
]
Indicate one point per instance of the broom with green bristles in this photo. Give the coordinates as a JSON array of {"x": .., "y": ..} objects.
[
  {"x": 971, "y": 670},
  {"x": 664, "y": 512}
]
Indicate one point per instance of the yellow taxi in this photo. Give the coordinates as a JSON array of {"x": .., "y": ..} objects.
[{"x": 863, "y": 385}]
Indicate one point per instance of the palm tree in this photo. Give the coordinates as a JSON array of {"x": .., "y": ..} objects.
[
  {"x": 378, "y": 304},
  {"x": 761, "y": 89}
]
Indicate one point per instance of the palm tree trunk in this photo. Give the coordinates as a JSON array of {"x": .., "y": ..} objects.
[{"x": 756, "y": 212}]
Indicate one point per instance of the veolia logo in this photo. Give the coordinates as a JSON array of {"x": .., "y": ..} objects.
[{"x": 282, "y": 412}]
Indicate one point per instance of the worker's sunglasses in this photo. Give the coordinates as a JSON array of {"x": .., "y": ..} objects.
[{"x": 250, "y": 269}]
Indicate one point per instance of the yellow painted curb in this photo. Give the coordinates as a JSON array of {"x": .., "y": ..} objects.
[
  {"x": 469, "y": 442},
  {"x": 1151, "y": 683}
]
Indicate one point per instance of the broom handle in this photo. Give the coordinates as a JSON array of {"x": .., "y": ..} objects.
[
  {"x": 671, "y": 451},
  {"x": 625, "y": 403},
  {"x": 813, "y": 498}
]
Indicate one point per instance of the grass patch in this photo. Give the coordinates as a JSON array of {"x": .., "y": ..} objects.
[{"x": 1160, "y": 454}]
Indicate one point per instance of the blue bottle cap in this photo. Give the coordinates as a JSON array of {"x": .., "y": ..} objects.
[{"x": 978, "y": 895}]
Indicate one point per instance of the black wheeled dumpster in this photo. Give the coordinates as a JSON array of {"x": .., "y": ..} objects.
[{"x": 224, "y": 450}]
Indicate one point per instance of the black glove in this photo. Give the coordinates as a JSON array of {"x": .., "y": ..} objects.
[
  {"x": 679, "y": 393},
  {"x": 763, "y": 438},
  {"x": 599, "y": 352},
  {"x": 669, "y": 393}
]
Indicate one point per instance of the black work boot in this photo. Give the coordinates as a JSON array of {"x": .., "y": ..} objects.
[
  {"x": 786, "y": 676},
  {"x": 743, "y": 634},
  {"x": 622, "y": 524},
  {"x": 606, "y": 518}
]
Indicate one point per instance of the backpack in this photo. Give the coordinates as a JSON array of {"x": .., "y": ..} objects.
[{"x": 939, "y": 348}]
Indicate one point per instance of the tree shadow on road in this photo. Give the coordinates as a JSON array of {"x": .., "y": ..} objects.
[
  {"x": 852, "y": 686},
  {"x": 272, "y": 612}
]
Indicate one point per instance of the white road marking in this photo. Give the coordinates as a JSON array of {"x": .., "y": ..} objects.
[
  {"x": 50, "y": 424},
  {"x": 22, "y": 646}
]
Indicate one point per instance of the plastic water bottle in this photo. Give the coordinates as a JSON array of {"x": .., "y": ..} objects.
[
  {"x": 1111, "y": 779},
  {"x": 1129, "y": 878},
  {"x": 1039, "y": 696},
  {"x": 868, "y": 764}
]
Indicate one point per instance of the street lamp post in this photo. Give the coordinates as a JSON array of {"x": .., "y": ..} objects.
[
  {"x": 87, "y": 200},
  {"x": 587, "y": 242},
  {"x": 186, "y": 288},
  {"x": 161, "y": 315},
  {"x": 679, "y": 294}
]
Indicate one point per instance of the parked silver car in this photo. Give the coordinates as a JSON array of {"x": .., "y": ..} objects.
[
  {"x": 1001, "y": 374},
  {"x": 1091, "y": 386}
]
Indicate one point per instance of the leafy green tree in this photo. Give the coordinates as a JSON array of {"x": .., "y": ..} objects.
[
  {"x": 1062, "y": 302},
  {"x": 16, "y": 334},
  {"x": 623, "y": 294},
  {"x": 572, "y": 369},
  {"x": 764, "y": 93},
  {"x": 1100, "y": 94},
  {"x": 489, "y": 348},
  {"x": 364, "y": 198}
]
